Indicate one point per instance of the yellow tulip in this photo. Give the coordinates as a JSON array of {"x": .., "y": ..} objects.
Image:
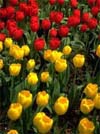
[
  {"x": 14, "y": 69},
  {"x": 97, "y": 101},
  {"x": 78, "y": 60},
  {"x": 14, "y": 111},
  {"x": 12, "y": 131},
  {"x": 47, "y": 54},
  {"x": 25, "y": 98},
  {"x": 16, "y": 52},
  {"x": 55, "y": 55},
  {"x": 61, "y": 105},
  {"x": 19, "y": 54},
  {"x": 42, "y": 122},
  {"x": 67, "y": 50},
  {"x": 91, "y": 90},
  {"x": 42, "y": 98},
  {"x": 32, "y": 78},
  {"x": 38, "y": 117},
  {"x": 12, "y": 49},
  {"x": 86, "y": 106},
  {"x": 1, "y": 63},
  {"x": 30, "y": 64},
  {"x": 86, "y": 126},
  {"x": 98, "y": 51},
  {"x": 8, "y": 42},
  {"x": 1, "y": 46},
  {"x": 45, "y": 76},
  {"x": 26, "y": 50},
  {"x": 60, "y": 65}
]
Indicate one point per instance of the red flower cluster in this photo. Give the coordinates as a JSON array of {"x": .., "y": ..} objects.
[
  {"x": 14, "y": 30},
  {"x": 52, "y": 2},
  {"x": 56, "y": 16},
  {"x": 10, "y": 16},
  {"x": 56, "y": 24}
]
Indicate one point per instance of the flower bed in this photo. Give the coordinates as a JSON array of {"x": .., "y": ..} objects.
[{"x": 49, "y": 66}]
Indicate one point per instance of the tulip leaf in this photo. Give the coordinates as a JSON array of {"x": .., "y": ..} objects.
[
  {"x": 49, "y": 108},
  {"x": 28, "y": 37},
  {"x": 56, "y": 90},
  {"x": 97, "y": 78}
]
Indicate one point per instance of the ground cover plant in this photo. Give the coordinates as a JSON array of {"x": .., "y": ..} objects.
[{"x": 49, "y": 66}]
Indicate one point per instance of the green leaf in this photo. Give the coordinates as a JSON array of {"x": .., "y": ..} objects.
[
  {"x": 88, "y": 77},
  {"x": 28, "y": 37},
  {"x": 56, "y": 90},
  {"x": 97, "y": 78},
  {"x": 49, "y": 108}
]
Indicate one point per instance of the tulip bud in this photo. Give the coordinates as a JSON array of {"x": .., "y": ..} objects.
[
  {"x": 42, "y": 98},
  {"x": 78, "y": 60},
  {"x": 47, "y": 54},
  {"x": 42, "y": 122},
  {"x": 26, "y": 50},
  {"x": 30, "y": 64},
  {"x": 67, "y": 50},
  {"x": 14, "y": 111},
  {"x": 14, "y": 69},
  {"x": 8, "y": 42},
  {"x": 45, "y": 76},
  {"x": 86, "y": 126},
  {"x": 60, "y": 65},
  {"x": 32, "y": 78},
  {"x": 86, "y": 106},
  {"x": 97, "y": 101},
  {"x": 12, "y": 49},
  {"x": 25, "y": 98},
  {"x": 91, "y": 90},
  {"x": 61, "y": 105}
]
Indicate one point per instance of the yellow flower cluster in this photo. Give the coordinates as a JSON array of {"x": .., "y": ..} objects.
[
  {"x": 92, "y": 100},
  {"x": 24, "y": 100},
  {"x": 56, "y": 58},
  {"x": 16, "y": 52},
  {"x": 60, "y": 63}
]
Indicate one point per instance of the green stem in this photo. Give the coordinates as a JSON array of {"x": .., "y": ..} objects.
[
  {"x": 11, "y": 89},
  {"x": 22, "y": 128},
  {"x": 74, "y": 86},
  {"x": 93, "y": 75}
]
